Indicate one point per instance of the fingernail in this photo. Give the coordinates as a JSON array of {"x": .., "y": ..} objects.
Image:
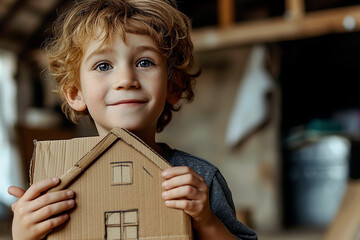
[
  {"x": 55, "y": 179},
  {"x": 70, "y": 193},
  {"x": 163, "y": 194},
  {"x": 164, "y": 184},
  {"x": 71, "y": 203}
]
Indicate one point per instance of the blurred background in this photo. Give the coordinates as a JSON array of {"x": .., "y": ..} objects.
[{"x": 276, "y": 108}]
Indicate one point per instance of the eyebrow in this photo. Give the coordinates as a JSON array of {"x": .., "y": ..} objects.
[
  {"x": 109, "y": 50},
  {"x": 148, "y": 48},
  {"x": 99, "y": 52}
]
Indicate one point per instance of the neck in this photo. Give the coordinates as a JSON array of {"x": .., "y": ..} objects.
[{"x": 147, "y": 137}]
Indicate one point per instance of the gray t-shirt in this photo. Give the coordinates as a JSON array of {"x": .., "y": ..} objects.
[{"x": 220, "y": 197}]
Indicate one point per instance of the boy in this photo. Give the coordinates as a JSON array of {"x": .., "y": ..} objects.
[{"x": 127, "y": 63}]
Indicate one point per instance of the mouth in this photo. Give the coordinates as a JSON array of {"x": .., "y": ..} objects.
[{"x": 128, "y": 102}]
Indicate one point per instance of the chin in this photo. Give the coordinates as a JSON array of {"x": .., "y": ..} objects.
[
  {"x": 136, "y": 127},
  {"x": 129, "y": 127}
]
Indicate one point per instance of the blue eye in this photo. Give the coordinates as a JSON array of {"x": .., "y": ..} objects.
[
  {"x": 103, "y": 67},
  {"x": 145, "y": 63}
]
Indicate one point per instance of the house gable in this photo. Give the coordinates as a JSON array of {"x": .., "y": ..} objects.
[{"x": 73, "y": 147}]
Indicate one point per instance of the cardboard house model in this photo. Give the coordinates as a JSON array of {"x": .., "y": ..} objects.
[{"x": 117, "y": 182}]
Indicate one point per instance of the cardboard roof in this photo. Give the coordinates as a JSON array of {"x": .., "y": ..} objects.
[{"x": 94, "y": 154}]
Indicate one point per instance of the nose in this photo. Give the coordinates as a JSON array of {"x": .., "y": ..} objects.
[{"x": 125, "y": 78}]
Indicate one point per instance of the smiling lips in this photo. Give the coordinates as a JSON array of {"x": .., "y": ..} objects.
[{"x": 129, "y": 102}]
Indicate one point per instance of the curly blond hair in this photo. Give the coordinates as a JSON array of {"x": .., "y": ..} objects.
[{"x": 158, "y": 19}]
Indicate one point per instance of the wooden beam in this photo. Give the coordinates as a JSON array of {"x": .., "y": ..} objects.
[
  {"x": 295, "y": 9},
  {"x": 44, "y": 30},
  {"x": 313, "y": 24},
  {"x": 226, "y": 12}
]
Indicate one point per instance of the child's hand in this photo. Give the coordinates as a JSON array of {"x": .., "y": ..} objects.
[
  {"x": 34, "y": 212},
  {"x": 185, "y": 189}
]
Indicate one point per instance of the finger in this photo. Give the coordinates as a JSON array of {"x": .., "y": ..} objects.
[
  {"x": 51, "y": 210},
  {"x": 16, "y": 191},
  {"x": 186, "y": 205},
  {"x": 45, "y": 227},
  {"x": 198, "y": 211},
  {"x": 50, "y": 198},
  {"x": 182, "y": 180},
  {"x": 36, "y": 189},
  {"x": 176, "y": 171},
  {"x": 187, "y": 192}
]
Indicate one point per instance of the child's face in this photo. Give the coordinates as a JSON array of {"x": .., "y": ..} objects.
[{"x": 124, "y": 84}]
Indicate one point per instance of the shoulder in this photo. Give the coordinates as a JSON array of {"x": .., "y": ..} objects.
[{"x": 179, "y": 158}]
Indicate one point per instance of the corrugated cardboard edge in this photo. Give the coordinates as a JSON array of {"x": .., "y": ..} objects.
[
  {"x": 32, "y": 163},
  {"x": 86, "y": 161}
]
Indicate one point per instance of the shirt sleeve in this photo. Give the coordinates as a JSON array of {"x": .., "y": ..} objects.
[{"x": 222, "y": 206}]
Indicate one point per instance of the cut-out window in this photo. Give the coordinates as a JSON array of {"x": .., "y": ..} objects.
[
  {"x": 122, "y": 225},
  {"x": 122, "y": 173}
]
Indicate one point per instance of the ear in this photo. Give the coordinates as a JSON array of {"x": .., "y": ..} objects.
[
  {"x": 75, "y": 99},
  {"x": 173, "y": 98}
]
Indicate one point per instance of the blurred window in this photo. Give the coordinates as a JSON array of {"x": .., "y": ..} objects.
[{"x": 10, "y": 170}]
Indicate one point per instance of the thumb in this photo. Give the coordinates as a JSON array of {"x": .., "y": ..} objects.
[{"x": 16, "y": 191}]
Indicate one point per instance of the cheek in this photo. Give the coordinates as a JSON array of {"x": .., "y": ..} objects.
[
  {"x": 156, "y": 85},
  {"x": 163, "y": 88},
  {"x": 161, "y": 93},
  {"x": 93, "y": 93}
]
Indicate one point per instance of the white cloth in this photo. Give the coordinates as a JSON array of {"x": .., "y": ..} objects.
[
  {"x": 10, "y": 167},
  {"x": 249, "y": 110}
]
